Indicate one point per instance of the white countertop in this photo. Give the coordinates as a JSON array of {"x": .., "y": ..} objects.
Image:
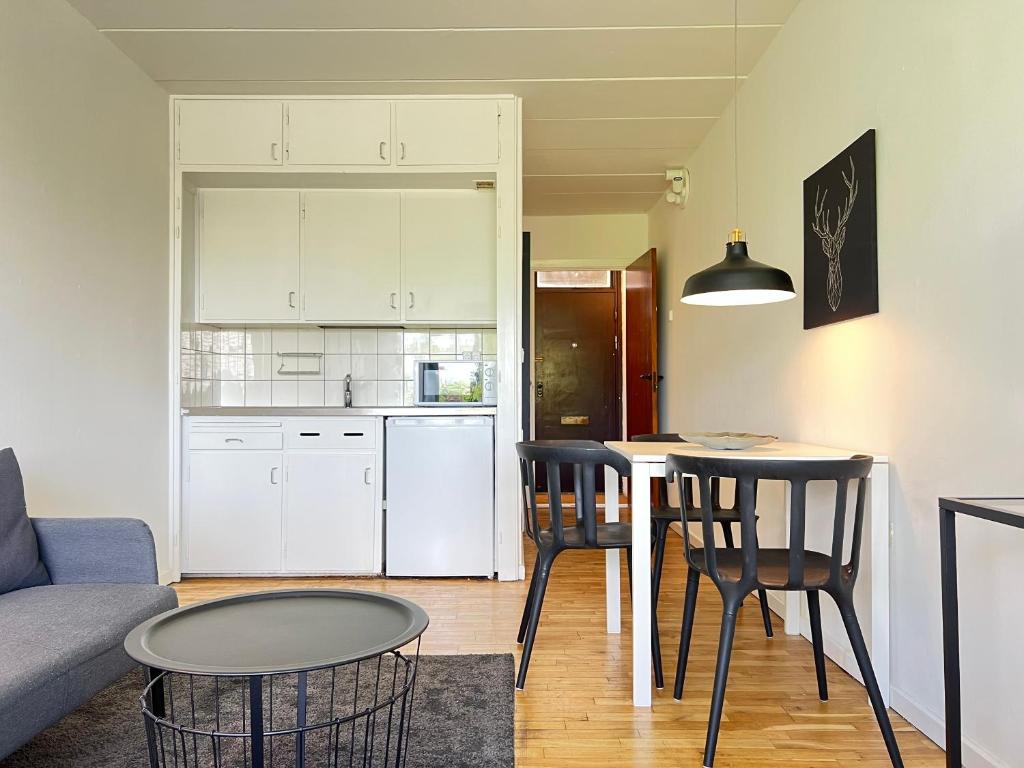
[{"x": 423, "y": 410}]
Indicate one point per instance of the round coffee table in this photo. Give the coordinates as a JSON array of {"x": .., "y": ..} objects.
[{"x": 199, "y": 656}]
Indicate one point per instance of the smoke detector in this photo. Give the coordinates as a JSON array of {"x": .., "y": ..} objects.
[{"x": 680, "y": 190}]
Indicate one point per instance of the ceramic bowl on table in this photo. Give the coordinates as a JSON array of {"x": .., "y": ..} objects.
[{"x": 727, "y": 441}]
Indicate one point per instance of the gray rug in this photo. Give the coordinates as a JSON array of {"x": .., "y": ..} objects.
[{"x": 463, "y": 717}]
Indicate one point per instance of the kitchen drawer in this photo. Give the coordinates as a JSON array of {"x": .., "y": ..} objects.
[
  {"x": 235, "y": 441},
  {"x": 330, "y": 434}
]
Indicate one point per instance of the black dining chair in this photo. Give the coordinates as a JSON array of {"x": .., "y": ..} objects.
[
  {"x": 663, "y": 514},
  {"x": 585, "y": 457},
  {"x": 738, "y": 572}
]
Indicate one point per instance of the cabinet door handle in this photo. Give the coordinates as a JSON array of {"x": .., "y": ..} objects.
[
  {"x": 273, "y": 150},
  {"x": 273, "y": 475},
  {"x": 291, "y": 299},
  {"x": 394, "y": 300},
  {"x": 366, "y": 476},
  {"x": 381, "y": 150},
  {"x": 401, "y": 148},
  {"x": 412, "y": 299}
]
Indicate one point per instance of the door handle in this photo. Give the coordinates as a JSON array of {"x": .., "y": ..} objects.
[
  {"x": 412, "y": 299},
  {"x": 273, "y": 475},
  {"x": 647, "y": 376},
  {"x": 540, "y": 389},
  {"x": 401, "y": 148},
  {"x": 273, "y": 150},
  {"x": 381, "y": 150},
  {"x": 366, "y": 476},
  {"x": 291, "y": 299},
  {"x": 394, "y": 300}
]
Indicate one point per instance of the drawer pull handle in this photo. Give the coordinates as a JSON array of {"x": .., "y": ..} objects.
[
  {"x": 309, "y": 434},
  {"x": 354, "y": 434},
  {"x": 233, "y": 440}
]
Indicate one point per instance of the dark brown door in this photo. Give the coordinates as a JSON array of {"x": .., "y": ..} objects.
[
  {"x": 577, "y": 363},
  {"x": 642, "y": 379}
]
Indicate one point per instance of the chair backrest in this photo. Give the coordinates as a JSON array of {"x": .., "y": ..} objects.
[
  {"x": 747, "y": 473},
  {"x": 585, "y": 457}
]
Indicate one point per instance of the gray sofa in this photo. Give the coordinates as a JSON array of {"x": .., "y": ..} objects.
[{"x": 62, "y": 643}]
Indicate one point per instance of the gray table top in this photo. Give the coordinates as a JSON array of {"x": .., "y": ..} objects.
[{"x": 277, "y": 632}]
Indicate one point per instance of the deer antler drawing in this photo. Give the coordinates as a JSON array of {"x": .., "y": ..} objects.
[{"x": 832, "y": 241}]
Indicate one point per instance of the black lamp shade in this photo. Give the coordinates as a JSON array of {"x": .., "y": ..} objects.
[{"x": 737, "y": 279}]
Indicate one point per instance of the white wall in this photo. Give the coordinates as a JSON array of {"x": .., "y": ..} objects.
[
  {"x": 934, "y": 380},
  {"x": 579, "y": 242},
  {"x": 83, "y": 269}
]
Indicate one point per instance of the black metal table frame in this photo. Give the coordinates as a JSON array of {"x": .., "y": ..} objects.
[{"x": 949, "y": 508}]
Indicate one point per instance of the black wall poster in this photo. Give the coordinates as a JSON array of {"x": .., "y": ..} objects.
[{"x": 841, "y": 237}]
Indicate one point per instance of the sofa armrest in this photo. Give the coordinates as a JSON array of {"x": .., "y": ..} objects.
[{"x": 91, "y": 550}]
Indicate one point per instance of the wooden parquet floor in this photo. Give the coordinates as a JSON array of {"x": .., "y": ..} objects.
[{"x": 576, "y": 711}]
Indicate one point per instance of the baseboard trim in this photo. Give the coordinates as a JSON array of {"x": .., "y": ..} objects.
[{"x": 933, "y": 726}]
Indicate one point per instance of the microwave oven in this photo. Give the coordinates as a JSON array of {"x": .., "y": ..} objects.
[{"x": 456, "y": 382}]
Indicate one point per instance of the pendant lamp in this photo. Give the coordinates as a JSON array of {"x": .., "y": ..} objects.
[{"x": 737, "y": 279}]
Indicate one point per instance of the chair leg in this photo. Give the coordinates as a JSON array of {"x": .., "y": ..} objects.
[
  {"x": 727, "y": 535},
  {"x": 661, "y": 534},
  {"x": 542, "y": 573},
  {"x": 689, "y": 608},
  {"x": 721, "y": 678},
  {"x": 629, "y": 572},
  {"x": 766, "y": 616},
  {"x": 860, "y": 651},
  {"x": 529, "y": 600},
  {"x": 814, "y": 612}
]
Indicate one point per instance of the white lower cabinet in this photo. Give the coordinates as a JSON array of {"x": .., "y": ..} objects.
[
  {"x": 329, "y": 511},
  {"x": 283, "y": 496},
  {"x": 234, "y": 511}
]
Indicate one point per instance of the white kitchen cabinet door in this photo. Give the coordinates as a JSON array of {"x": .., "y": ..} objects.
[
  {"x": 329, "y": 512},
  {"x": 343, "y": 132},
  {"x": 249, "y": 255},
  {"x": 437, "y": 132},
  {"x": 229, "y": 132},
  {"x": 351, "y": 249},
  {"x": 233, "y": 523},
  {"x": 449, "y": 254}
]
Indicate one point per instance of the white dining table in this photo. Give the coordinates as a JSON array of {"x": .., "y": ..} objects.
[{"x": 648, "y": 460}]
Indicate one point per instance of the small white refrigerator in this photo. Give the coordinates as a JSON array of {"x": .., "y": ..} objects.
[{"x": 440, "y": 496}]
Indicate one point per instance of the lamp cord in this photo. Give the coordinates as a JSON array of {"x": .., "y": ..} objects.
[{"x": 736, "y": 103}]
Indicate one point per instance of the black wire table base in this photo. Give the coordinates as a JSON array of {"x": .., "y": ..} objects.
[{"x": 354, "y": 714}]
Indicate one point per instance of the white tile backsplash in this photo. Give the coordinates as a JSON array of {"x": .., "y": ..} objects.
[
  {"x": 389, "y": 393},
  {"x": 337, "y": 341},
  {"x": 364, "y": 341},
  {"x": 337, "y": 367},
  {"x": 364, "y": 367},
  {"x": 239, "y": 366}
]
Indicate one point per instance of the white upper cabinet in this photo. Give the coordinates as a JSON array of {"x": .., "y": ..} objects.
[
  {"x": 437, "y": 132},
  {"x": 351, "y": 255},
  {"x": 249, "y": 255},
  {"x": 449, "y": 256},
  {"x": 344, "y": 132},
  {"x": 229, "y": 132}
]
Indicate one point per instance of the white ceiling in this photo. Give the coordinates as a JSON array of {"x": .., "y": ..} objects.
[{"x": 614, "y": 91}]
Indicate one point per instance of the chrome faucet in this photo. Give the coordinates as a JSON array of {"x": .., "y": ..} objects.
[{"x": 348, "y": 390}]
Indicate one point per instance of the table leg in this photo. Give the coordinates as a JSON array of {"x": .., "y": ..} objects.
[
  {"x": 881, "y": 596},
  {"x": 613, "y": 602},
  {"x": 950, "y": 636},
  {"x": 156, "y": 691},
  {"x": 640, "y": 487},
  {"x": 256, "y": 719},
  {"x": 300, "y": 721}
]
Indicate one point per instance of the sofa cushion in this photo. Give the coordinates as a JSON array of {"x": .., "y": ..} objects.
[
  {"x": 51, "y": 632},
  {"x": 20, "y": 566}
]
